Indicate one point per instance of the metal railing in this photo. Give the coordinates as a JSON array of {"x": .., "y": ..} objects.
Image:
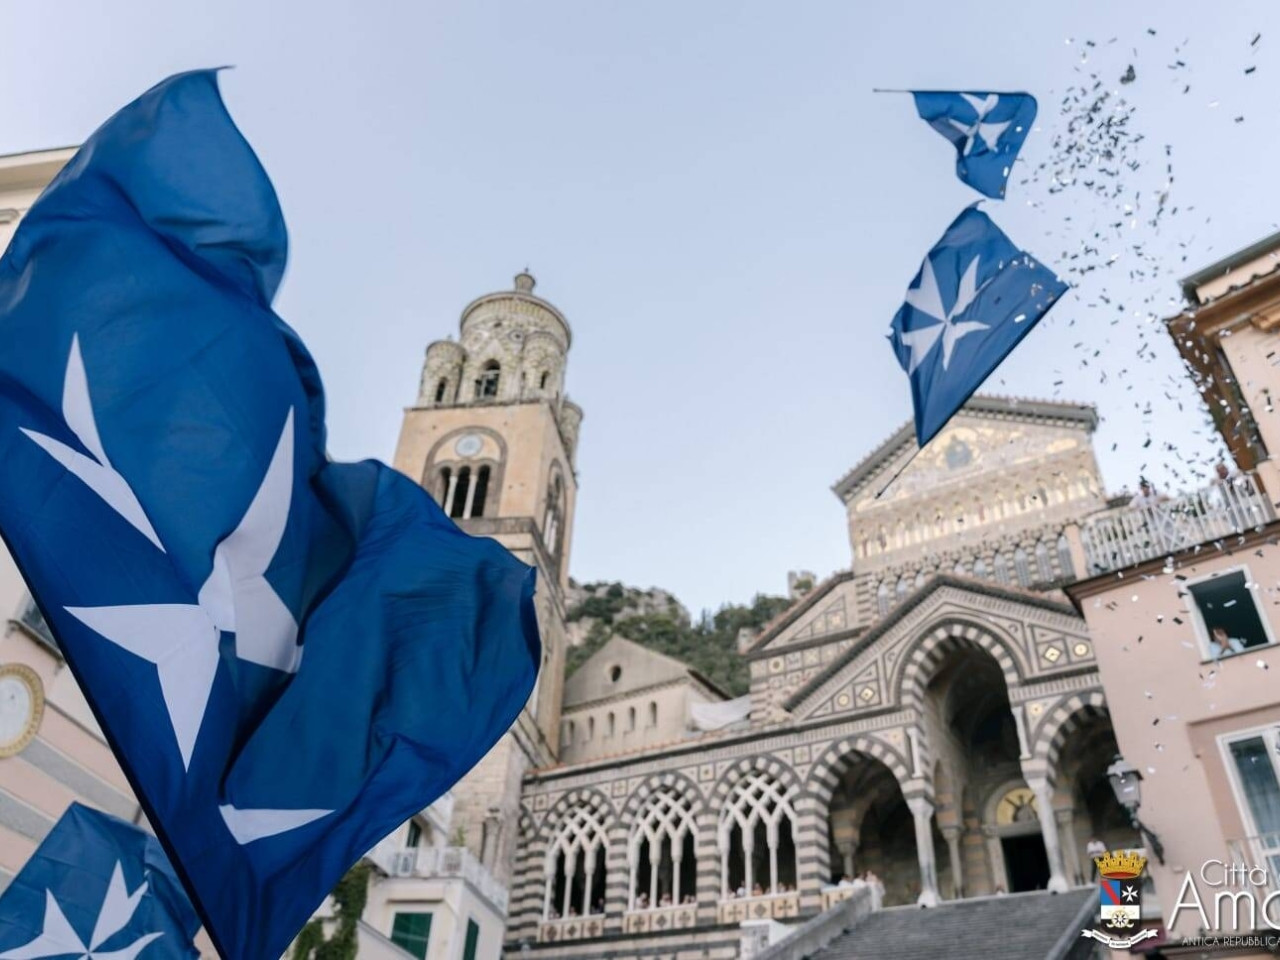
[{"x": 1130, "y": 535}]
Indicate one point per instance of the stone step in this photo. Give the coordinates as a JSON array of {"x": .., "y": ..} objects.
[{"x": 1020, "y": 926}]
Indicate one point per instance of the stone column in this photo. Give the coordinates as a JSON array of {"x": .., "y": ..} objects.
[
  {"x": 922, "y": 813},
  {"x": 1070, "y": 844},
  {"x": 952, "y": 834},
  {"x": 1020, "y": 723},
  {"x": 1049, "y": 830},
  {"x": 848, "y": 850}
]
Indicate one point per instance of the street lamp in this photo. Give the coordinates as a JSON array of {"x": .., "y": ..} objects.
[{"x": 1126, "y": 783}]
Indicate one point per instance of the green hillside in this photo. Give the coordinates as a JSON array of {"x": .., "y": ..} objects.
[{"x": 709, "y": 645}]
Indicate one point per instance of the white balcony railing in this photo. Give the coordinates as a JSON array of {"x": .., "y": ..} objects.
[
  {"x": 1260, "y": 851},
  {"x": 443, "y": 863},
  {"x": 1129, "y": 535},
  {"x": 675, "y": 917},
  {"x": 571, "y": 928},
  {"x": 776, "y": 906}
]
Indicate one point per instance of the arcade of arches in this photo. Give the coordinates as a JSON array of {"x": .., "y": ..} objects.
[{"x": 958, "y": 749}]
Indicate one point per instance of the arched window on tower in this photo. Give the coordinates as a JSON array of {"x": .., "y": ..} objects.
[
  {"x": 445, "y": 487},
  {"x": 1044, "y": 566},
  {"x": 757, "y": 836},
  {"x": 487, "y": 385},
  {"x": 1001, "y": 567},
  {"x": 882, "y": 598},
  {"x": 1064, "y": 557},
  {"x": 653, "y": 713},
  {"x": 631, "y": 720},
  {"x": 542, "y": 380},
  {"x": 481, "y": 491},
  {"x": 661, "y": 852},
  {"x": 1022, "y": 567},
  {"x": 575, "y": 867},
  {"x": 554, "y": 516},
  {"x": 612, "y": 725},
  {"x": 440, "y": 389},
  {"x": 460, "y": 495}
]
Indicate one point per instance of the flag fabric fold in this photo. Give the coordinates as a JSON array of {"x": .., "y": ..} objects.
[
  {"x": 96, "y": 886},
  {"x": 974, "y": 298},
  {"x": 289, "y": 656},
  {"x": 987, "y": 130}
]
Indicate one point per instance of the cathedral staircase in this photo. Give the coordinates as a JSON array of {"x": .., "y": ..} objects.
[{"x": 1021, "y": 926}]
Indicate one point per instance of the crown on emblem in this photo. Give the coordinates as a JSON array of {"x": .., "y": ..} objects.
[{"x": 1120, "y": 863}]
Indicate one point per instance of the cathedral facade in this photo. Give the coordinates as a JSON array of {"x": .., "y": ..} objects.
[{"x": 932, "y": 715}]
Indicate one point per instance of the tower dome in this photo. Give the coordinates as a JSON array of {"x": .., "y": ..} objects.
[
  {"x": 441, "y": 374},
  {"x": 515, "y": 344}
]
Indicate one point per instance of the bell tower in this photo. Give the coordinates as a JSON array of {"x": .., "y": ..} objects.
[{"x": 493, "y": 437}]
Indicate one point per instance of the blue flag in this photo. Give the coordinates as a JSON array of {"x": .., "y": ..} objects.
[
  {"x": 98, "y": 887},
  {"x": 974, "y": 298},
  {"x": 289, "y": 656},
  {"x": 987, "y": 130}
]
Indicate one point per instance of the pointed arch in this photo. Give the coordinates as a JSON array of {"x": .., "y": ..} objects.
[
  {"x": 827, "y": 770},
  {"x": 922, "y": 658}
]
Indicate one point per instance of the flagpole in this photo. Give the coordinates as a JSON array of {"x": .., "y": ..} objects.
[{"x": 897, "y": 473}]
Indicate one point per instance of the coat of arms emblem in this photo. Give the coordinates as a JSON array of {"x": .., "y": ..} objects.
[{"x": 1120, "y": 896}]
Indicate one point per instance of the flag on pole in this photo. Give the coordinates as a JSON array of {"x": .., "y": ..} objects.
[
  {"x": 973, "y": 300},
  {"x": 96, "y": 887},
  {"x": 289, "y": 656},
  {"x": 987, "y": 130}
]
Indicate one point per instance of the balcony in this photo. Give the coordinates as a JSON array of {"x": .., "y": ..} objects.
[
  {"x": 443, "y": 863},
  {"x": 571, "y": 928},
  {"x": 1130, "y": 535},
  {"x": 775, "y": 906},
  {"x": 656, "y": 919},
  {"x": 33, "y": 621},
  {"x": 1260, "y": 851}
]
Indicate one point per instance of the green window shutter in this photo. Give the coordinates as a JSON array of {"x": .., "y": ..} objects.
[
  {"x": 411, "y": 932},
  {"x": 473, "y": 937}
]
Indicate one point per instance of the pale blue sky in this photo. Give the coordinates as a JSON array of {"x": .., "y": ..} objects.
[{"x": 711, "y": 193}]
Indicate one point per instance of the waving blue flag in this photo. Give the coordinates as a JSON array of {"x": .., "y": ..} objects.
[
  {"x": 289, "y": 656},
  {"x": 974, "y": 298},
  {"x": 96, "y": 887},
  {"x": 987, "y": 130}
]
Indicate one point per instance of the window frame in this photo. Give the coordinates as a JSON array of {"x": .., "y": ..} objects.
[
  {"x": 1202, "y": 629},
  {"x": 426, "y": 939},
  {"x": 1270, "y": 735}
]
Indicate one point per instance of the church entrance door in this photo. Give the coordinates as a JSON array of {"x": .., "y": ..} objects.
[{"x": 1026, "y": 862}]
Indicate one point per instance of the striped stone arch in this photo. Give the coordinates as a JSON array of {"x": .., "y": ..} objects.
[
  {"x": 672, "y": 780},
  {"x": 925, "y": 654},
  {"x": 527, "y": 882},
  {"x": 762, "y": 762},
  {"x": 1059, "y": 723},
  {"x": 837, "y": 758},
  {"x": 586, "y": 796}
]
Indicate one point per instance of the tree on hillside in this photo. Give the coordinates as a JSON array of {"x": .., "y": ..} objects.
[{"x": 710, "y": 646}]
